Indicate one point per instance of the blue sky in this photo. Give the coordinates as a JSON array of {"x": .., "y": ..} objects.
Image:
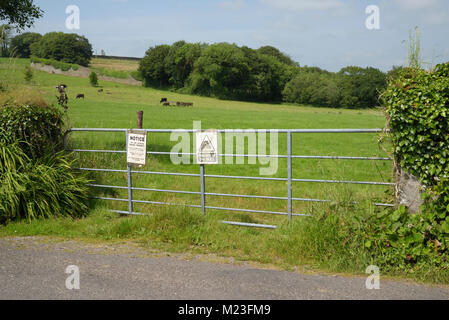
[{"x": 330, "y": 34}]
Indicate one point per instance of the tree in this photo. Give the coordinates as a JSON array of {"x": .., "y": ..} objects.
[
  {"x": 180, "y": 61},
  {"x": 360, "y": 87},
  {"x": 93, "y": 79},
  {"x": 171, "y": 67},
  {"x": 221, "y": 71},
  {"x": 185, "y": 59},
  {"x": 21, "y": 43},
  {"x": 20, "y": 13},
  {"x": 313, "y": 88},
  {"x": 281, "y": 57},
  {"x": 65, "y": 47},
  {"x": 268, "y": 76},
  {"x": 152, "y": 66},
  {"x": 5, "y": 40}
]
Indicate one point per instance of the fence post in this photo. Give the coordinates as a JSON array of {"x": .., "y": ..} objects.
[
  {"x": 139, "y": 119},
  {"x": 203, "y": 190},
  {"x": 289, "y": 169},
  {"x": 130, "y": 181}
]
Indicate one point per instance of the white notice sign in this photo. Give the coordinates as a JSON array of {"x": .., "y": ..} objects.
[
  {"x": 207, "y": 147},
  {"x": 137, "y": 147}
]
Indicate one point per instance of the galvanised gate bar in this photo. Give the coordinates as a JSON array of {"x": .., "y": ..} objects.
[{"x": 202, "y": 175}]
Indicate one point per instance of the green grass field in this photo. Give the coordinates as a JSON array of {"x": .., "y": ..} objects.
[
  {"x": 122, "y": 69},
  {"x": 116, "y": 107}
]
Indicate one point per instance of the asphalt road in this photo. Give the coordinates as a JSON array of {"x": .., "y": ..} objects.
[{"x": 30, "y": 268}]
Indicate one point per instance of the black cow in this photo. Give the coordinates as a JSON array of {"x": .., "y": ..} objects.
[
  {"x": 81, "y": 95},
  {"x": 164, "y": 100}
]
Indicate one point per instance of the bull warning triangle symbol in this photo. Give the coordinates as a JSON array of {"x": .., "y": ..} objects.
[{"x": 207, "y": 146}]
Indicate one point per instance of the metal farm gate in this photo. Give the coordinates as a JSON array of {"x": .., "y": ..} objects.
[{"x": 202, "y": 175}]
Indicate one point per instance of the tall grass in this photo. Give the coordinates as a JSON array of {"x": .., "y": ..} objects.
[{"x": 43, "y": 188}]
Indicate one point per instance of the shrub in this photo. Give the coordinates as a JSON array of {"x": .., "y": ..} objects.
[
  {"x": 93, "y": 79},
  {"x": 420, "y": 240},
  {"x": 40, "y": 129},
  {"x": 43, "y": 188},
  {"x": 28, "y": 74}
]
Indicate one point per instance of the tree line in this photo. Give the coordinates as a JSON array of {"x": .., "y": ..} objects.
[
  {"x": 227, "y": 71},
  {"x": 221, "y": 70},
  {"x": 64, "y": 47}
]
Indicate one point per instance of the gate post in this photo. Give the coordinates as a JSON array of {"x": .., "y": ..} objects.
[
  {"x": 130, "y": 181},
  {"x": 289, "y": 169},
  {"x": 203, "y": 190},
  {"x": 130, "y": 191}
]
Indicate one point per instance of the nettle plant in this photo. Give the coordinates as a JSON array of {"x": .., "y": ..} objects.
[{"x": 418, "y": 108}]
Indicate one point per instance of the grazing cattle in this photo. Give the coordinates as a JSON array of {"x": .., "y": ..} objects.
[
  {"x": 166, "y": 104},
  {"x": 101, "y": 90},
  {"x": 79, "y": 96},
  {"x": 184, "y": 104},
  {"x": 164, "y": 100}
]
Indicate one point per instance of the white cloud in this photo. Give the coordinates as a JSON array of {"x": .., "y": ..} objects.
[{"x": 305, "y": 5}]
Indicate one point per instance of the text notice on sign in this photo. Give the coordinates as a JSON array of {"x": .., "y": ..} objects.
[{"x": 137, "y": 147}]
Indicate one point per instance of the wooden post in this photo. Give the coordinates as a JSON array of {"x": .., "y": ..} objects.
[{"x": 139, "y": 119}]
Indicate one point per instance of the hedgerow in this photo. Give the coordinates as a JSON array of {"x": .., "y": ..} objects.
[
  {"x": 36, "y": 177},
  {"x": 38, "y": 128},
  {"x": 418, "y": 108}
]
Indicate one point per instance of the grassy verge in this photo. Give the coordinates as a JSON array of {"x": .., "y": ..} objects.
[
  {"x": 311, "y": 244},
  {"x": 180, "y": 230}
]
